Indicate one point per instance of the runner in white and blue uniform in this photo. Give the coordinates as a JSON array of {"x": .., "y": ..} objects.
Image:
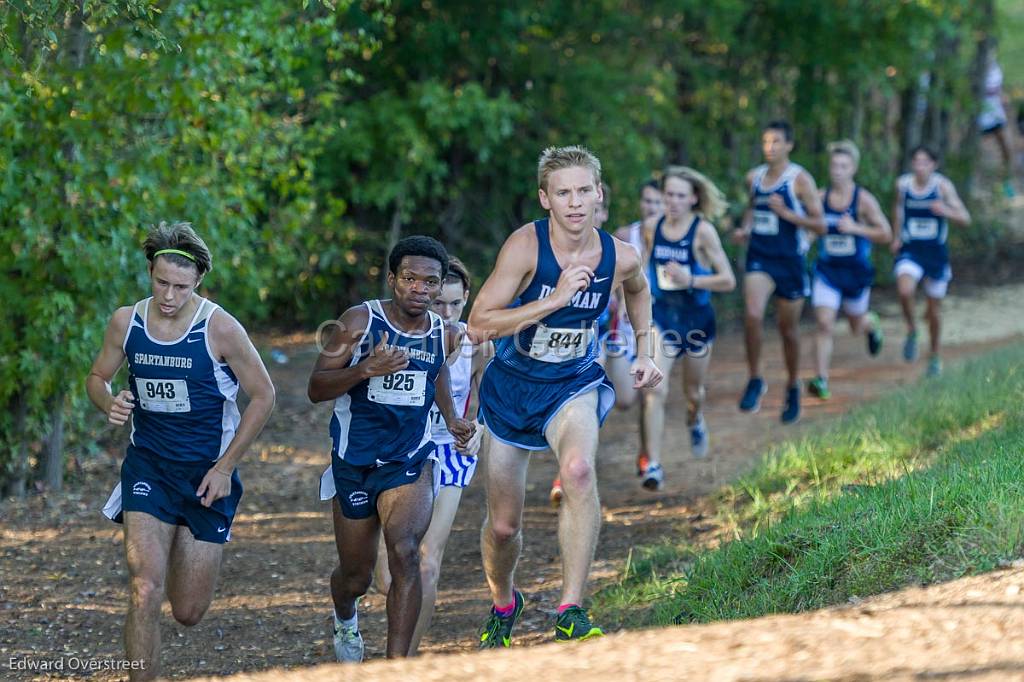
[
  {"x": 544, "y": 388},
  {"x": 179, "y": 487},
  {"x": 686, "y": 264},
  {"x": 385, "y": 366},
  {"x": 843, "y": 272},
  {"x": 784, "y": 202},
  {"x": 925, "y": 203},
  {"x": 455, "y": 465}
]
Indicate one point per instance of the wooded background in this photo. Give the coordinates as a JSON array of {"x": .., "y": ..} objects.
[{"x": 303, "y": 139}]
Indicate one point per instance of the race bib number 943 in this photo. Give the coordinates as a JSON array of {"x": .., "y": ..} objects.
[
  {"x": 163, "y": 395},
  {"x": 551, "y": 344},
  {"x": 400, "y": 388}
]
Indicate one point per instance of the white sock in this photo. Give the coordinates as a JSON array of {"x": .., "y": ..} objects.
[{"x": 349, "y": 623}]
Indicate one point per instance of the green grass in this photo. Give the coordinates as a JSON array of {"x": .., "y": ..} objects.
[{"x": 922, "y": 486}]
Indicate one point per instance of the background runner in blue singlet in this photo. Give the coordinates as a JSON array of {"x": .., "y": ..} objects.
[
  {"x": 843, "y": 272},
  {"x": 179, "y": 487},
  {"x": 455, "y": 466},
  {"x": 384, "y": 366},
  {"x": 544, "y": 387},
  {"x": 784, "y": 203},
  {"x": 685, "y": 265},
  {"x": 924, "y": 205}
]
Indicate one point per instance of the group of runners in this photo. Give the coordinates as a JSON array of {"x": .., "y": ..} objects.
[{"x": 571, "y": 321}]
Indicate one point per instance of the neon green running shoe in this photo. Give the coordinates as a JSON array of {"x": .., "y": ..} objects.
[
  {"x": 573, "y": 625},
  {"x": 818, "y": 386},
  {"x": 497, "y": 631}
]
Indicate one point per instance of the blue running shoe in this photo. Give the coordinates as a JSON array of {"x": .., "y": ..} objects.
[
  {"x": 910, "y": 347},
  {"x": 751, "y": 400},
  {"x": 791, "y": 411}
]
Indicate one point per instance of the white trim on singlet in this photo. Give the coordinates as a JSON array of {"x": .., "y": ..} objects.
[
  {"x": 906, "y": 185},
  {"x": 145, "y": 323},
  {"x": 375, "y": 307}
]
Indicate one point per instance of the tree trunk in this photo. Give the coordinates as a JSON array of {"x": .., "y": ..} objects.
[
  {"x": 18, "y": 482},
  {"x": 394, "y": 234},
  {"x": 53, "y": 473},
  {"x": 985, "y": 44}
]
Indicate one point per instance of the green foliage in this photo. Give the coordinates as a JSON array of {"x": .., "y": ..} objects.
[
  {"x": 921, "y": 487},
  {"x": 301, "y": 138}
]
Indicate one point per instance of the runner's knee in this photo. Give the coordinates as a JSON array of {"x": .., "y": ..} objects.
[
  {"x": 189, "y": 614},
  {"x": 352, "y": 581},
  {"x": 146, "y": 592},
  {"x": 577, "y": 472},
  {"x": 503, "y": 530},
  {"x": 404, "y": 556},
  {"x": 430, "y": 569}
]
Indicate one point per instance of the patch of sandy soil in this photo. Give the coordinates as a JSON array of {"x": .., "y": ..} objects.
[{"x": 969, "y": 629}]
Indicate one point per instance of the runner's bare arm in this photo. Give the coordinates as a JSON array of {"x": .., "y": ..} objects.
[
  {"x": 955, "y": 210},
  {"x": 457, "y": 426},
  {"x": 742, "y": 233},
  {"x": 332, "y": 377},
  {"x": 637, "y": 294},
  {"x": 105, "y": 366},
  {"x": 897, "y": 218},
  {"x": 874, "y": 225},
  {"x": 710, "y": 246},
  {"x": 230, "y": 344},
  {"x": 482, "y": 354},
  {"x": 491, "y": 317},
  {"x": 807, "y": 193}
]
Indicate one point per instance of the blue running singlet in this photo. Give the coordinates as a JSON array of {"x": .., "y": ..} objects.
[
  {"x": 923, "y": 232},
  {"x": 563, "y": 344},
  {"x": 772, "y": 237},
  {"x": 386, "y": 418},
  {"x": 185, "y": 407},
  {"x": 844, "y": 260}
]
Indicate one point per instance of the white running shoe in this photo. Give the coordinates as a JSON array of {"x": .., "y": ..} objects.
[
  {"x": 699, "y": 439},
  {"x": 654, "y": 478},
  {"x": 348, "y": 643}
]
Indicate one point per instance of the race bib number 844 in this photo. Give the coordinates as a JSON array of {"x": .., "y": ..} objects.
[{"x": 551, "y": 344}]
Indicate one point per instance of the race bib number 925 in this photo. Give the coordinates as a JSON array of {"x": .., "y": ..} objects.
[{"x": 400, "y": 388}]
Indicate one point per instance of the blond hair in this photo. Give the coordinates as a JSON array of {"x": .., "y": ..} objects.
[
  {"x": 845, "y": 147},
  {"x": 711, "y": 203},
  {"x": 557, "y": 158},
  {"x": 178, "y": 237}
]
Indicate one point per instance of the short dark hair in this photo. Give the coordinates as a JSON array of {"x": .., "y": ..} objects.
[
  {"x": 457, "y": 272},
  {"x": 932, "y": 154},
  {"x": 178, "y": 236},
  {"x": 652, "y": 183},
  {"x": 783, "y": 127},
  {"x": 418, "y": 245}
]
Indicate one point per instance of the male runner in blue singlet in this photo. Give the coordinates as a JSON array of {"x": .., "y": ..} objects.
[
  {"x": 455, "y": 466},
  {"x": 544, "y": 387},
  {"x": 179, "y": 486},
  {"x": 381, "y": 366},
  {"x": 784, "y": 203},
  {"x": 925, "y": 203},
  {"x": 843, "y": 272}
]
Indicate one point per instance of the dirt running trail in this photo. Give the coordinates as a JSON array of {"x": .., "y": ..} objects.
[{"x": 62, "y": 591}]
